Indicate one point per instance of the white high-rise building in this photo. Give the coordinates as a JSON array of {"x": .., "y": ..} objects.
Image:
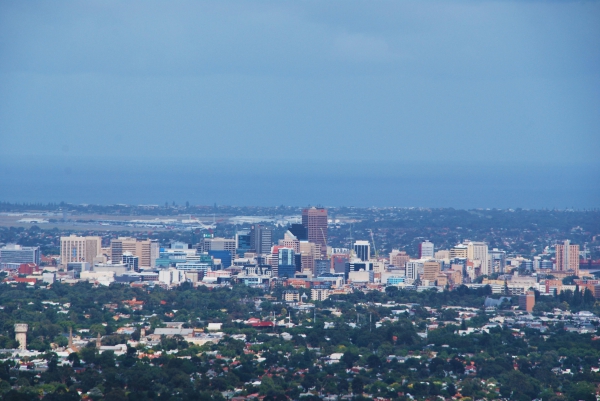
[
  {"x": 362, "y": 250},
  {"x": 426, "y": 250},
  {"x": 414, "y": 268},
  {"x": 478, "y": 252}
]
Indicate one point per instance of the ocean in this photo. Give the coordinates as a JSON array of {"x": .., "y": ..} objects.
[{"x": 255, "y": 182}]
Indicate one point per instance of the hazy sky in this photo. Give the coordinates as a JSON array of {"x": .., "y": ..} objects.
[{"x": 474, "y": 81}]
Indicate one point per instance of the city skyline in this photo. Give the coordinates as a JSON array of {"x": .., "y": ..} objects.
[{"x": 305, "y": 200}]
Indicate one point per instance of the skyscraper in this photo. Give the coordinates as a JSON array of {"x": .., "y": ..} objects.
[
  {"x": 217, "y": 244},
  {"x": 290, "y": 241},
  {"x": 146, "y": 250},
  {"x": 430, "y": 271},
  {"x": 497, "y": 261},
  {"x": 425, "y": 250},
  {"x": 458, "y": 251},
  {"x": 286, "y": 262},
  {"x": 478, "y": 251},
  {"x": 315, "y": 221},
  {"x": 260, "y": 238},
  {"x": 80, "y": 249},
  {"x": 299, "y": 231},
  {"x": 567, "y": 257},
  {"x": 362, "y": 250},
  {"x": 132, "y": 262},
  {"x": 243, "y": 242},
  {"x": 398, "y": 258}
]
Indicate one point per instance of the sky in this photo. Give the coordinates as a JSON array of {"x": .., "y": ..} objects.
[{"x": 350, "y": 87}]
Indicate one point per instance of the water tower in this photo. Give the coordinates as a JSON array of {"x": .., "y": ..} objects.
[{"x": 21, "y": 335}]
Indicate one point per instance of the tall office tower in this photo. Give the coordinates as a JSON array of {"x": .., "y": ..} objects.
[
  {"x": 273, "y": 259},
  {"x": 458, "y": 251},
  {"x": 243, "y": 242},
  {"x": 497, "y": 261},
  {"x": 290, "y": 241},
  {"x": 260, "y": 237},
  {"x": 322, "y": 266},
  {"x": 339, "y": 262},
  {"x": 12, "y": 255},
  {"x": 146, "y": 250},
  {"x": 430, "y": 270},
  {"x": 478, "y": 251},
  {"x": 398, "y": 258},
  {"x": 413, "y": 269},
  {"x": 132, "y": 262},
  {"x": 425, "y": 250},
  {"x": 442, "y": 254},
  {"x": 299, "y": 231},
  {"x": 217, "y": 244},
  {"x": 80, "y": 249},
  {"x": 286, "y": 262},
  {"x": 567, "y": 257},
  {"x": 362, "y": 250},
  {"x": 309, "y": 252},
  {"x": 315, "y": 221}
]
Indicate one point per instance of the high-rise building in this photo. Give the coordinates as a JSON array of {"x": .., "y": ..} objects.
[
  {"x": 315, "y": 221},
  {"x": 286, "y": 262},
  {"x": 567, "y": 257},
  {"x": 458, "y": 251},
  {"x": 146, "y": 250},
  {"x": 217, "y": 244},
  {"x": 132, "y": 262},
  {"x": 290, "y": 241},
  {"x": 309, "y": 252},
  {"x": 497, "y": 261},
  {"x": 12, "y": 255},
  {"x": 430, "y": 271},
  {"x": 478, "y": 253},
  {"x": 362, "y": 250},
  {"x": 243, "y": 242},
  {"x": 425, "y": 250},
  {"x": 261, "y": 238},
  {"x": 339, "y": 263},
  {"x": 223, "y": 255},
  {"x": 414, "y": 268},
  {"x": 299, "y": 231},
  {"x": 80, "y": 249},
  {"x": 322, "y": 266},
  {"x": 398, "y": 258}
]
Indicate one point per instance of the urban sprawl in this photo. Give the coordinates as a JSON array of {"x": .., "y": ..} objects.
[{"x": 292, "y": 309}]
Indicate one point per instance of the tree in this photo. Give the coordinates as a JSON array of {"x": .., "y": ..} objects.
[
  {"x": 582, "y": 391},
  {"x": 74, "y": 359},
  {"x": 266, "y": 384},
  {"x": 116, "y": 394},
  {"x": 588, "y": 297},
  {"x": 358, "y": 385},
  {"x": 88, "y": 354},
  {"x": 349, "y": 358}
]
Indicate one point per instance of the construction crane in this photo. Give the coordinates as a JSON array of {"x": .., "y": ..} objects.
[
  {"x": 374, "y": 247},
  {"x": 351, "y": 247},
  {"x": 324, "y": 242}
]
